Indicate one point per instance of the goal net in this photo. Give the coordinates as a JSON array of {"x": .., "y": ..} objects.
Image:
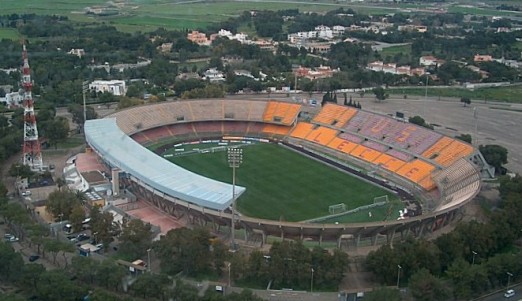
[
  {"x": 380, "y": 199},
  {"x": 338, "y": 208}
]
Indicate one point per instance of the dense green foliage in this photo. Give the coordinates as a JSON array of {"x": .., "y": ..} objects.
[
  {"x": 471, "y": 260},
  {"x": 495, "y": 155}
]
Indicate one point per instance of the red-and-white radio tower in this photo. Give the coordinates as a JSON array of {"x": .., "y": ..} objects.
[{"x": 32, "y": 153}]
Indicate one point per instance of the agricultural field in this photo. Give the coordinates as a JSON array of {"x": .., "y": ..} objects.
[
  {"x": 284, "y": 185},
  {"x": 147, "y": 15}
]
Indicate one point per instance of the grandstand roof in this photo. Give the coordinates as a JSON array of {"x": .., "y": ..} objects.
[{"x": 121, "y": 151}]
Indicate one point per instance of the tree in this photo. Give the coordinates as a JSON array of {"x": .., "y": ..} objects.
[
  {"x": 102, "y": 225},
  {"x": 380, "y": 94},
  {"x": 21, "y": 170},
  {"x": 188, "y": 251},
  {"x": 495, "y": 155},
  {"x": 420, "y": 121},
  {"x": 76, "y": 217},
  {"x": 383, "y": 293},
  {"x": 10, "y": 263},
  {"x": 464, "y": 137},
  {"x": 135, "y": 238},
  {"x": 150, "y": 285},
  {"x": 426, "y": 287},
  {"x": 57, "y": 130},
  {"x": 61, "y": 203},
  {"x": 77, "y": 113},
  {"x": 30, "y": 276},
  {"x": 465, "y": 101}
]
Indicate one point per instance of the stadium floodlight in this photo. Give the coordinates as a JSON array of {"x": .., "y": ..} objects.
[{"x": 235, "y": 158}]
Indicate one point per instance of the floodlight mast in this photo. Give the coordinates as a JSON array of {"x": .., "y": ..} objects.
[{"x": 235, "y": 158}]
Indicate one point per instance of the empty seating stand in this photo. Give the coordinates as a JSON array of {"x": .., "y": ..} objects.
[
  {"x": 321, "y": 135},
  {"x": 416, "y": 170},
  {"x": 276, "y": 129},
  {"x": 301, "y": 130},
  {"x": 281, "y": 112},
  {"x": 365, "y": 153},
  {"x": 342, "y": 145},
  {"x": 334, "y": 115}
]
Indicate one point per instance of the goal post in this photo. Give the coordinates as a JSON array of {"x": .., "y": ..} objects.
[
  {"x": 380, "y": 199},
  {"x": 337, "y": 208}
]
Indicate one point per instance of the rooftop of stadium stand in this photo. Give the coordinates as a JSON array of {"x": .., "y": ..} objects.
[{"x": 131, "y": 157}]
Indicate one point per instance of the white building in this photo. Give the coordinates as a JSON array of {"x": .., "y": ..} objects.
[
  {"x": 213, "y": 75},
  {"x": 79, "y": 52},
  {"x": 429, "y": 60},
  {"x": 12, "y": 100},
  {"x": 115, "y": 87}
]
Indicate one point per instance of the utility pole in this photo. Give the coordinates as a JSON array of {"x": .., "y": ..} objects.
[{"x": 85, "y": 88}]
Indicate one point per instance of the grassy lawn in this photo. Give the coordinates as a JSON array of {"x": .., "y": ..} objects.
[
  {"x": 387, "y": 212},
  {"x": 391, "y": 51},
  {"x": 71, "y": 142},
  {"x": 282, "y": 184},
  {"x": 503, "y": 94},
  {"x": 8, "y": 33}
]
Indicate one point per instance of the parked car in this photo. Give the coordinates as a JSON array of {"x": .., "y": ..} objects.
[
  {"x": 82, "y": 237},
  {"x": 509, "y": 293},
  {"x": 33, "y": 258},
  {"x": 10, "y": 237}
]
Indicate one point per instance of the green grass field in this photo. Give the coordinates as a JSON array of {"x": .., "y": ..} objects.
[
  {"x": 8, "y": 33},
  {"x": 504, "y": 94},
  {"x": 391, "y": 51},
  {"x": 282, "y": 184}
]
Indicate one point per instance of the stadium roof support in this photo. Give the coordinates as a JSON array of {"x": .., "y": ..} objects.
[{"x": 121, "y": 151}]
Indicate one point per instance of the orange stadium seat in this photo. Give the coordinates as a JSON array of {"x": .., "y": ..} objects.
[
  {"x": 388, "y": 162},
  {"x": 276, "y": 129},
  {"x": 365, "y": 153},
  {"x": 270, "y": 110},
  {"x": 453, "y": 152},
  {"x": 282, "y": 112},
  {"x": 321, "y": 135},
  {"x": 291, "y": 113},
  {"x": 301, "y": 130},
  {"x": 416, "y": 170},
  {"x": 436, "y": 148},
  {"x": 333, "y": 114},
  {"x": 342, "y": 145}
]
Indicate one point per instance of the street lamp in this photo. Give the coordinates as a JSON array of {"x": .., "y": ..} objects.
[
  {"x": 473, "y": 260},
  {"x": 398, "y": 274},
  {"x": 426, "y": 93},
  {"x": 235, "y": 158},
  {"x": 85, "y": 88},
  {"x": 229, "y": 268},
  {"x": 312, "y": 282},
  {"x": 148, "y": 259},
  {"x": 509, "y": 278}
]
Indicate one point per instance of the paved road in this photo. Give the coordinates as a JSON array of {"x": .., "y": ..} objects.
[{"x": 499, "y": 296}]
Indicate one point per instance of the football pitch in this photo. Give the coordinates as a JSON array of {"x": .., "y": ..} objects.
[{"x": 284, "y": 185}]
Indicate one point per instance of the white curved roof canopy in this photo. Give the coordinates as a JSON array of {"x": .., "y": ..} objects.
[{"x": 121, "y": 151}]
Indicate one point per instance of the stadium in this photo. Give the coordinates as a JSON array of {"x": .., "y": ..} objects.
[{"x": 433, "y": 175}]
